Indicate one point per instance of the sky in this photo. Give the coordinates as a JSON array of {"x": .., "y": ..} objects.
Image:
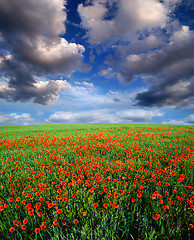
[{"x": 96, "y": 61}]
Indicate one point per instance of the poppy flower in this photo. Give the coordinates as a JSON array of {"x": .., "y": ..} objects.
[
  {"x": 105, "y": 205},
  {"x": 75, "y": 221},
  {"x": 37, "y": 230},
  {"x": 95, "y": 205},
  {"x": 156, "y": 216},
  {"x": 12, "y": 229},
  {"x": 42, "y": 227},
  {"x": 25, "y": 221},
  {"x": 84, "y": 213},
  {"x": 116, "y": 205},
  {"x": 23, "y": 227},
  {"x": 55, "y": 222}
]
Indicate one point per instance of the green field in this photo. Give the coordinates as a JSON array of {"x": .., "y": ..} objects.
[{"x": 96, "y": 181}]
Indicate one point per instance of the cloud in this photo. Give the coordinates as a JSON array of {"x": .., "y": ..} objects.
[
  {"x": 15, "y": 119},
  {"x": 189, "y": 119},
  {"x": 42, "y": 92},
  {"x": 129, "y": 17},
  {"x": 185, "y": 121},
  {"x": 138, "y": 115},
  {"x": 108, "y": 73},
  {"x": 178, "y": 49},
  {"x": 104, "y": 116},
  {"x": 152, "y": 45},
  {"x": 39, "y": 113},
  {"x": 169, "y": 71},
  {"x": 30, "y": 33}
]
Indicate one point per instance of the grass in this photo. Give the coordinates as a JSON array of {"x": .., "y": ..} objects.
[{"x": 96, "y": 181}]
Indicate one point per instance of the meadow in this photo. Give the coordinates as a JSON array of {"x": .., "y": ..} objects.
[{"x": 96, "y": 181}]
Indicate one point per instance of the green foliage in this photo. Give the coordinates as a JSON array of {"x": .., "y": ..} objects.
[{"x": 139, "y": 176}]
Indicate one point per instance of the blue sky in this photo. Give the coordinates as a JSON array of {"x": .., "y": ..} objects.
[{"x": 96, "y": 61}]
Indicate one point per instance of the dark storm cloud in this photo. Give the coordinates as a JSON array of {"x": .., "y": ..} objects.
[
  {"x": 178, "y": 49},
  {"x": 172, "y": 87},
  {"x": 169, "y": 71},
  {"x": 32, "y": 48}
]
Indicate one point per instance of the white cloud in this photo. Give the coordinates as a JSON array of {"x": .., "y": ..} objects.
[
  {"x": 58, "y": 57},
  {"x": 131, "y": 16},
  {"x": 31, "y": 31},
  {"x": 39, "y": 113},
  {"x": 108, "y": 73},
  {"x": 185, "y": 121},
  {"x": 139, "y": 115},
  {"x": 104, "y": 116},
  {"x": 15, "y": 119}
]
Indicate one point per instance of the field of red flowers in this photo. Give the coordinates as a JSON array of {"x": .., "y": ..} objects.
[{"x": 133, "y": 182}]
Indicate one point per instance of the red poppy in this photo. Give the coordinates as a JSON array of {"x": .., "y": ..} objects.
[
  {"x": 40, "y": 214},
  {"x": 12, "y": 229},
  {"x": 23, "y": 227},
  {"x": 76, "y": 221},
  {"x": 25, "y": 221},
  {"x": 59, "y": 211},
  {"x": 105, "y": 205},
  {"x": 95, "y": 205},
  {"x": 156, "y": 216},
  {"x": 116, "y": 205},
  {"x": 37, "y": 230},
  {"x": 55, "y": 222}
]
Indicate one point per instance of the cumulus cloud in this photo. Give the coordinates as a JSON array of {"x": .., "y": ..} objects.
[
  {"x": 164, "y": 59},
  {"x": 31, "y": 32},
  {"x": 108, "y": 73},
  {"x": 139, "y": 115},
  {"x": 129, "y": 17},
  {"x": 104, "y": 116},
  {"x": 40, "y": 113},
  {"x": 42, "y": 92},
  {"x": 178, "y": 49},
  {"x": 15, "y": 119},
  {"x": 169, "y": 71},
  {"x": 185, "y": 121}
]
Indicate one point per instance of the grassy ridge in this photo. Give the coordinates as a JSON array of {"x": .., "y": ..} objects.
[{"x": 96, "y": 181}]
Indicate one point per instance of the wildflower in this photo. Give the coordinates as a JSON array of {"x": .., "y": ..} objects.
[
  {"x": 58, "y": 197},
  {"x": 12, "y": 229},
  {"x": 75, "y": 221},
  {"x": 84, "y": 213},
  {"x": 59, "y": 211},
  {"x": 23, "y": 227},
  {"x": 156, "y": 216},
  {"x": 55, "y": 222},
  {"x": 25, "y": 221},
  {"x": 37, "y": 230},
  {"x": 42, "y": 227},
  {"x": 116, "y": 205},
  {"x": 105, "y": 205},
  {"x": 95, "y": 205}
]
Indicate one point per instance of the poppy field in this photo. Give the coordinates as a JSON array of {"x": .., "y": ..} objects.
[{"x": 97, "y": 181}]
